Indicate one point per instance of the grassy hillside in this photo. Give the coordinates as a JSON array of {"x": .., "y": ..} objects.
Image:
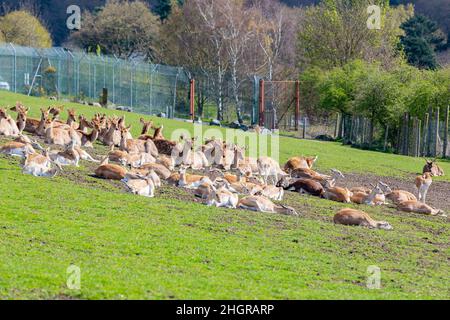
[{"x": 170, "y": 247}]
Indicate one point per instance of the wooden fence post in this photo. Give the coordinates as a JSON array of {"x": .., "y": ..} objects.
[
  {"x": 436, "y": 134},
  {"x": 418, "y": 132},
  {"x": 336, "y": 128},
  {"x": 430, "y": 131},
  {"x": 304, "y": 127},
  {"x": 446, "y": 128},
  {"x": 426, "y": 123}
]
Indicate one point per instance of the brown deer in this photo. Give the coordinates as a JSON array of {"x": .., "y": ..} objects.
[
  {"x": 17, "y": 148},
  {"x": 369, "y": 199},
  {"x": 419, "y": 207},
  {"x": 191, "y": 181},
  {"x": 241, "y": 162},
  {"x": 396, "y": 196},
  {"x": 221, "y": 197},
  {"x": 302, "y": 185},
  {"x": 60, "y": 136},
  {"x": 262, "y": 204},
  {"x": 84, "y": 124},
  {"x": 22, "y": 113},
  {"x": 88, "y": 139},
  {"x": 423, "y": 183},
  {"x": 353, "y": 217},
  {"x": 140, "y": 185},
  {"x": 160, "y": 170},
  {"x": 39, "y": 165},
  {"x": 432, "y": 167},
  {"x": 37, "y": 126},
  {"x": 8, "y": 127},
  {"x": 112, "y": 134},
  {"x": 146, "y": 126},
  {"x": 68, "y": 157},
  {"x": 334, "y": 193},
  {"x": 268, "y": 167},
  {"x": 299, "y": 163},
  {"x": 136, "y": 145},
  {"x": 110, "y": 171},
  {"x": 271, "y": 192}
]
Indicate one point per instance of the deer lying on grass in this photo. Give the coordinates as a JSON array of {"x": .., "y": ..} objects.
[
  {"x": 160, "y": 170},
  {"x": 334, "y": 193},
  {"x": 39, "y": 165},
  {"x": 247, "y": 165},
  {"x": 146, "y": 126},
  {"x": 191, "y": 181},
  {"x": 20, "y": 147},
  {"x": 222, "y": 197},
  {"x": 432, "y": 167},
  {"x": 423, "y": 183},
  {"x": 369, "y": 199},
  {"x": 313, "y": 175},
  {"x": 419, "y": 207},
  {"x": 112, "y": 134},
  {"x": 195, "y": 159},
  {"x": 396, "y": 196},
  {"x": 8, "y": 127},
  {"x": 88, "y": 139},
  {"x": 68, "y": 157},
  {"x": 302, "y": 185},
  {"x": 299, "y": 163},
  {"x": 84, "y": 124},
  {"x": 352, "y": 217},
  {"x": 271, "y": 192},
  {"x": 22, "y": 113},
  {"x": 262, "y": 204},
  {"x": 60, "y": 136},
  {"x": 110, "y": 171},
  {"x": 37, "y": 126},
  {"x": 136, "y": 145},
  {"x": 268, "y": 167},
  {"x": 142, "y": 185},
  {"x": 166, "y": 161}
]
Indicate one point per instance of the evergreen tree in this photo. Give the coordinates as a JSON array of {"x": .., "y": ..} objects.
[
  {"x": 164, "y": 7},
  {"x": 422, "y": 37}
]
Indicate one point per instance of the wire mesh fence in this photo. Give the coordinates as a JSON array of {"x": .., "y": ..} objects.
[{"x": 139, "y": 86}]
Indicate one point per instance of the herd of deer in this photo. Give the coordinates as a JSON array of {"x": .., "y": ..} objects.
[{"x": 142, "y": 163}]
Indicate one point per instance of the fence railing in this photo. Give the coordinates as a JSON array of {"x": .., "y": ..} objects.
[{"x": 143, "y": 87}]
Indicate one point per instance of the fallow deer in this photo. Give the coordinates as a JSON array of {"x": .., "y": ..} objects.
[
  {"x": 136, "y": 145},
  {"x": 22, "y": 113},
  {"x": 432, "y": 167},
  {"x": 160, "y": 170},
  {"x": 110, "y": 171},
  {"x": 68, "y": 157},
  {"x": 268, "y": 167},
  {"x": 39, "y": 165},
  {"x": 262, "y": 204},
  {"x": 222, "y": 198},
  {"x": 396, "y": 196},
  {"x": 271, "y": 192},
  {"x": 353, "y": 217},
  {"x": 139, "y": 185},
  {"x": 84, "y": 124},
  {"x": 17, "y": 148},
  {"x": 88, "y": 140},
  {"x": 423, "y": 183},
  {"x": 299, "y": 163},
  {"x": 60, "y": 136},
  {"x": 369, "y": 199},
  {"x": 240, "y": 161},
  {"x": 37, "y": 126},
  {"x": 146, "y": 126},
  {"x": 419, "y": 207},
  {"x": 195, "y": 159},
  {"x": 191, "y": 181},
  {"x": 8, "y": 127},
  {"x": 334, "y": 193},
  {"x": 302, "y": 185}
]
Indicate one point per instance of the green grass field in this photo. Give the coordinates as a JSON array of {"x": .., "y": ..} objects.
[{"x": 168, "y": 247}]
